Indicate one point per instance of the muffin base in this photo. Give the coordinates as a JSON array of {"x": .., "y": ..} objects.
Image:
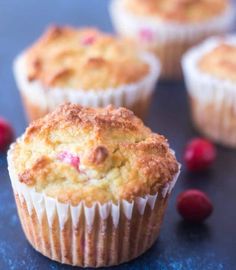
[
  {"x": 104, "y": 245},
  {"x": 35, "y": 111},
  {"x": 218, "y": 124}
]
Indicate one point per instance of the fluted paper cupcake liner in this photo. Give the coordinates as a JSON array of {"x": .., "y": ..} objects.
[
  {"x": 99, "y": 235},
  {"x": 213, "y": 100},
  {"x": 40, "y": 100},
  {"x": 169, "y": 40}
]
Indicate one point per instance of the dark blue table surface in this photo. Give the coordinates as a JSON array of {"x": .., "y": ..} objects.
[{"x": 181, "y": 246}]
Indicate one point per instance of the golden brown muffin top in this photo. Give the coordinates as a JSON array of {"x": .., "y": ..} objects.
[
  {"x": 105, "y": 154},
  {"x": 178, "y": 10},
  {"x": 86, "y": 58},
  {"x": 220, "y": 62}
]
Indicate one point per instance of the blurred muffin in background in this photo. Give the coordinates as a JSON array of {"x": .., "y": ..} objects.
[
  {"x": 91, "y": 184},
  {"x": 170, "y": 27},
  {"x": 210, "y": 74},
  {"x": 87, "y": 67}
]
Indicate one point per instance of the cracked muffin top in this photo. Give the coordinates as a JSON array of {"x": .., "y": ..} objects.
[
  {"x": 220, "y": 62},
  {"x": 178, "y": 10},
  {"x": 86, "y": 59},
  {"x": 85, "y": 154}
]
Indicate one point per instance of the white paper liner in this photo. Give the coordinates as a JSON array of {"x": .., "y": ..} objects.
[
  {"x": 208, "y": 89},
  {"x": 94, "y": 234},
  {"x": 130, "y": 25},
  {"x": 124, "y": 95},
  {"x": 169, "y": 40}
]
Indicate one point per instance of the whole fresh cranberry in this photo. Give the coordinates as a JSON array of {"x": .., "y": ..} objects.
[
  {"x": 6, "y": 134},
  {"x": 194, "y": 205},
  {"x": 199, "y": 154}
]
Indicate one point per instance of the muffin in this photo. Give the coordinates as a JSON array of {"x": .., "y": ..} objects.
[
  {"x": 169, "y": 27},
  {"x": 91, "y": 184},
  {"x": 209, "y": 71},
  {"x": 86, "y": 67}
]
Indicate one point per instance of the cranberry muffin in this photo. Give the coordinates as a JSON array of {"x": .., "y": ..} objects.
[
  {"x": 211, "y": 82},
  {"x": 170, "y": 27},
  {"x": 87, "y": 67},
  {"x": 91, "y": 184}
]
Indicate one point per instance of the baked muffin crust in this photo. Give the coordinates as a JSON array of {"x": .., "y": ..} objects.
[
  {"x": 220, "y": 62},
  {"x": 86, "y": 59},
  {"x": 178, "y": 10},
  {"x": 77, "y": 153}
]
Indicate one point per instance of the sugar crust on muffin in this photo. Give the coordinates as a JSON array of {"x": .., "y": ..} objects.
[
  {"x": 178, "y": 10},
  {"x": 83, "y": 154},
  {"x": 220, "y": 62},
  {"x": 85, "y": 58}
]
